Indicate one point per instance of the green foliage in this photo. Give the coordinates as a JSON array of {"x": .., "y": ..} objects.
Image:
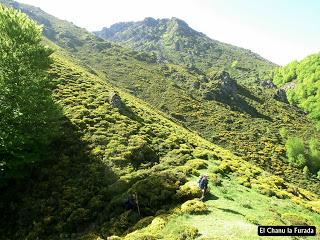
[
  {"x": 314, "y": 154},
  {"x": 306, "y": 171},
  {"x": 26, "y": 108},
  {"x": 172, "y": 40},
  {"x": 106, "y": 154},
  {"x": 295, "y": 152},
  {"x": 240, "y": 114},
  {"x": 305, "y": 77},
  {"x": 286, "y": 74},
  {"x": 188, "y": 233},
  {"x": 283, "y": 132},
  {"x": 194, "y": 207},
  {"x": 188, "y": 191},
  {"x": 295, "y": 219}
]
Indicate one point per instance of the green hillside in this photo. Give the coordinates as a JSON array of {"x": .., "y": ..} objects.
[
  {"x": 87, "y": 141},
  {"x": 302, "y": 81},
  {"x": 172, "y": 40},
  {"x": 107, "y": 151},
  {"x": 243, "y": 118}
]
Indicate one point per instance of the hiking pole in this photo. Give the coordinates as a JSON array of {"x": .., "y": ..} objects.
[{"x": 137, "y": 204}]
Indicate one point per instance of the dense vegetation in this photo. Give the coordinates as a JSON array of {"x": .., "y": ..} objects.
[
  {"x": 107, "y": 151},
  {"x": 112, "y": 144},
  {"x": 243, "y": 116},
  {"x": 302, "y": 81},
  {"x": 173, "y": 41},
  {"x": 26, "y": 107},
  {"x": 304, "y": 157}
]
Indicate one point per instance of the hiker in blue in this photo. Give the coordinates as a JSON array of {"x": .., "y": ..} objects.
[{"x": 203, "y": 185}]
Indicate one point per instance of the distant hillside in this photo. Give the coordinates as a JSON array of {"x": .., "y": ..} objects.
[
  {"x": 302, "y": 82},
  {"x": 244, "y": 118},
  {"x": 172, "y": 40},
  {"x": 112, "y": 145}
]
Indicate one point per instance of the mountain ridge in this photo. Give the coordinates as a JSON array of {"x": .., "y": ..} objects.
[{"x": 171, "y": 34}]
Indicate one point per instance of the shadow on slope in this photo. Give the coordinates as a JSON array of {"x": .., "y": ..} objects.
[{"x": 64, "y": 194}]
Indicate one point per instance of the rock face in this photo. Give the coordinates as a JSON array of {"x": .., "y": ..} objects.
[
  {"x": 227, "y": 84},
  {"x": 115, "y": 101},
  {"x": 289, "y": 85},
  {"x": 225, "y": 87},
  {"x": 281, "y": 95},
  {"x": 268, "y": 84}
]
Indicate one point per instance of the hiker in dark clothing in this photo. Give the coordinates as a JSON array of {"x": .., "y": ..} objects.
[
  {"x": 130, "y": 203},
  {"x": 203, "y": 185}
]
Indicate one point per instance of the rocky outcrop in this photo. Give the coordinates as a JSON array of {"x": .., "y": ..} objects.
[
  {"x": 227, "y": 84},
  {"x": 115, "y": 101},
  {"x": 224, "y": 87},
  {"x": 268, "y": 84},
  {"x": 281, "y": 96},
  {"x": 196, "y": 85},
  {"x": 289, "y": 85}
]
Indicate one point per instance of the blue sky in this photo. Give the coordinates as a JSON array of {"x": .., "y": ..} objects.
[{"x": 278, "y": 30}]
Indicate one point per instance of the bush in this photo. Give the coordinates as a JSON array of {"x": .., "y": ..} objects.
[
  {"x": 314, "y": 153},
  {"x": 306, "y": 171},
  {"x": 188, "y": 233},
  {"x": 188, "y": 191},
  {"x": 194, "y": 207},
  {"x": 294, "y": 219},
  {"x": 215, "y": 179},
  {"x": 295, "y": 152},
  {"x": 197, "y": 164}
]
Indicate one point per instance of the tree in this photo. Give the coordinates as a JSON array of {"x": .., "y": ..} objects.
[
  {"x": 295, "y": 152},
  {"x": 28, "y": 115},
  {"x": 314, "y": 153},
  {"x": 306, "y": 171}
]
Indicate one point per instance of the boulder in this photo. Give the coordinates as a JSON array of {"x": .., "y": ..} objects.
[
  {"x": 115, "y": 100},
  {"x": 227, "y": 84},
  {"x": 196, "y": 85},
  {"x": 268, "y": 84},
  {"x": 281, "y": 96}
]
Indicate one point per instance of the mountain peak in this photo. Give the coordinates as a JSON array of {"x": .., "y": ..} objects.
[
  {"x": 150, "y": 21},
  {"x": 179, "y": 22}
]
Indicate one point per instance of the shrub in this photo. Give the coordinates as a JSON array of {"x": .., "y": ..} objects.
[
  {"x": 197, "y": 164},
  {"x": 188, "y": 191},
  {"x": 314, "y": 152},
  {"x": 306, "y": 171},
  {"x": 188, "y": 233},
  {"x": 114, "y": 238},
  {"x": 194, "y": 207},
  {"x": 215, "y": 179},
  {"x": 295, "y": 219},
  {"x": 252, "y": 219},
  {"x": 295, "y": 152}
]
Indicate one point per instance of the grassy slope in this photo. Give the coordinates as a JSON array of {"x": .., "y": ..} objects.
[
  {"x": 247, "y": 125},
  {"x": 106, "y": 153},
  {"x": 234, "y": 212}
]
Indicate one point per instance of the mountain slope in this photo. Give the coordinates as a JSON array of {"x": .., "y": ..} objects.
[
  {"x": 112, "y": 145},
  {"x": 172, "y": 40},
  {"x": 243, "y": 118},
  {"x": 302, "y": 82}
]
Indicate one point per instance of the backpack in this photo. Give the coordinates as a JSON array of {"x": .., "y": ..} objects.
[{"x": 199, "y": 181}]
